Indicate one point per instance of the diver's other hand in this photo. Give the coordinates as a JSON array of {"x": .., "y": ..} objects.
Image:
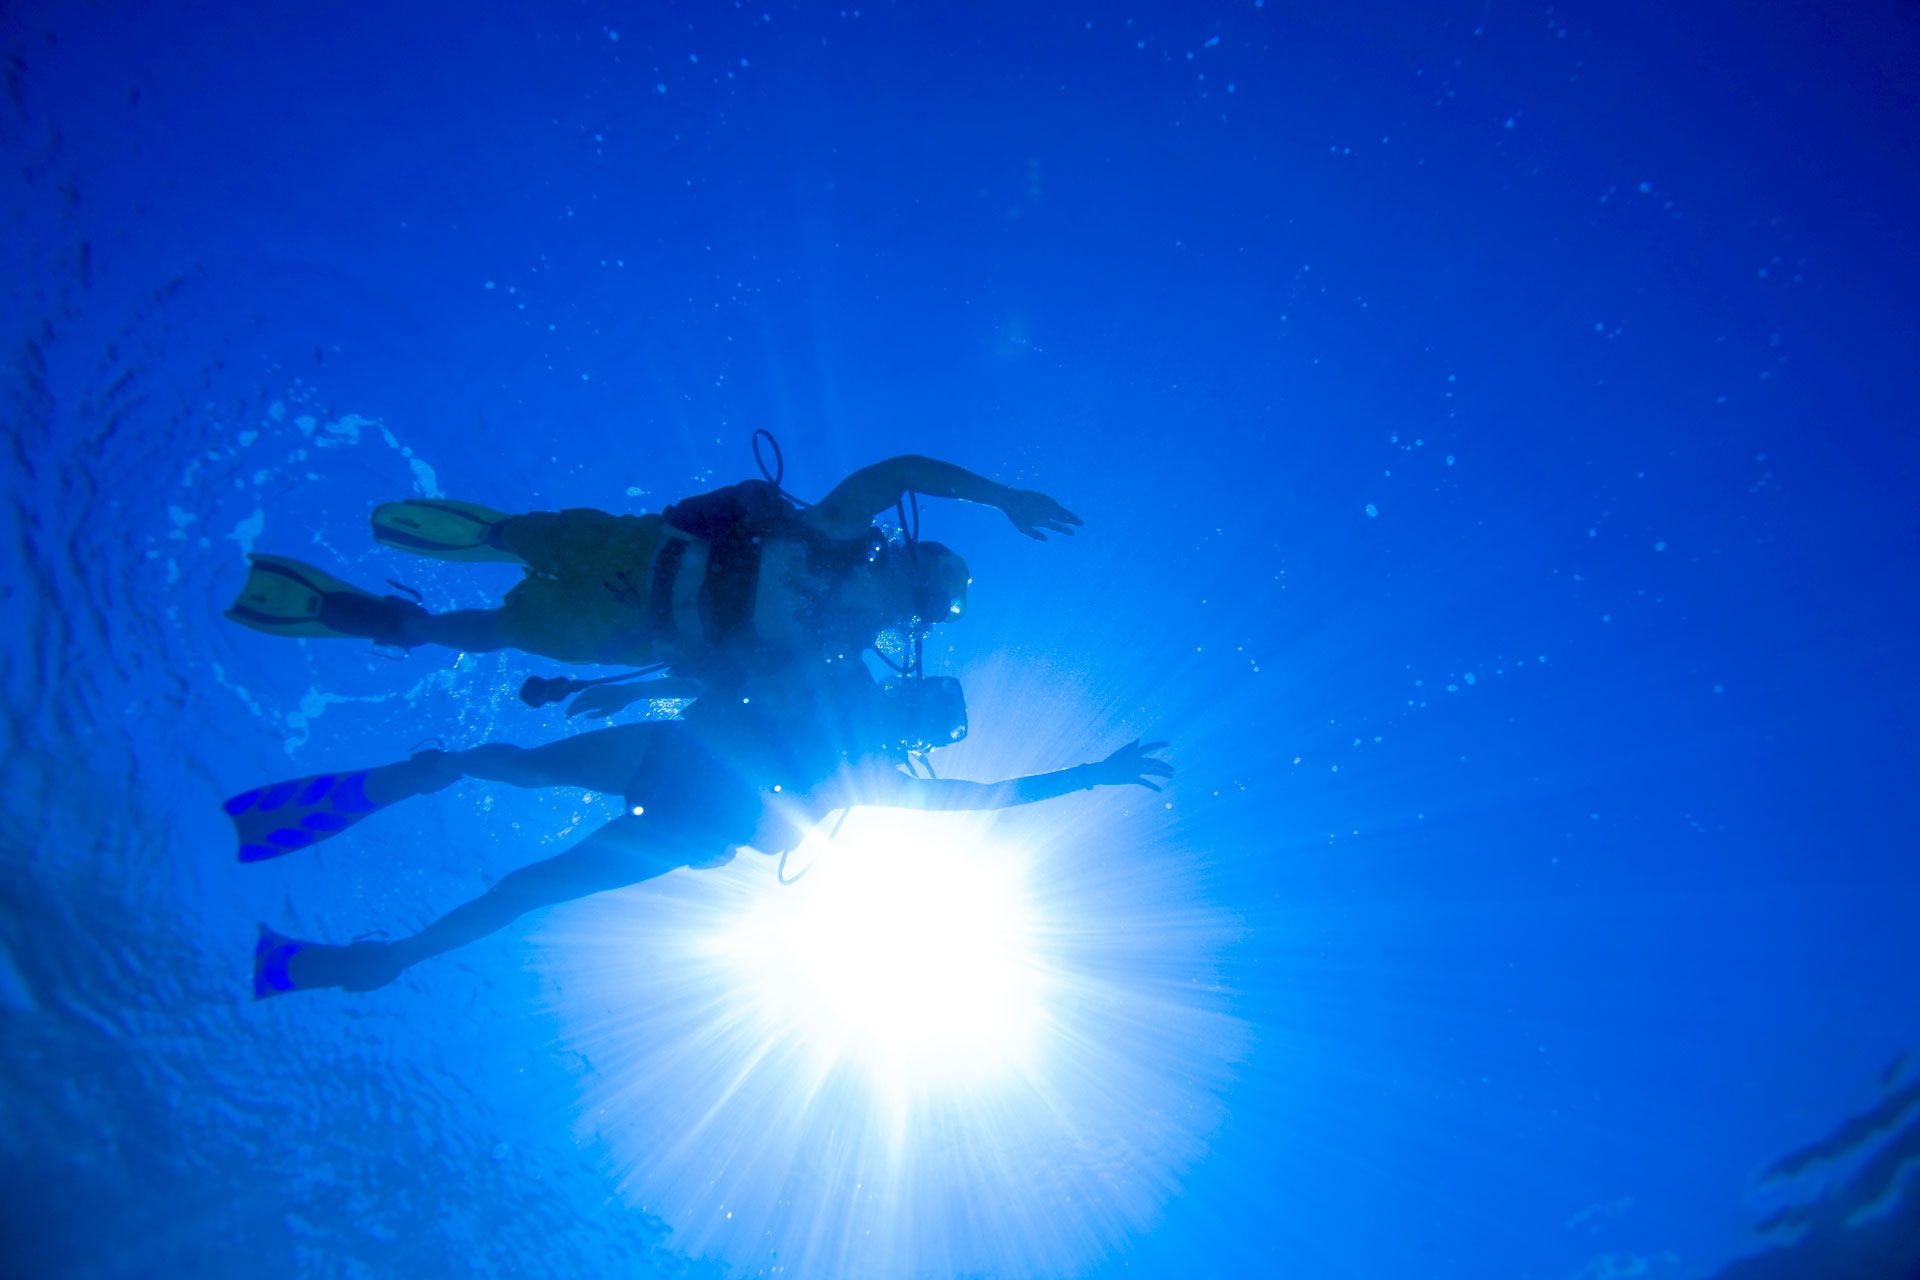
[
  {"x": 1035, "y": 514},
  {"x": 1133, "y": 765},
  {"x": 604, "y": 699}
]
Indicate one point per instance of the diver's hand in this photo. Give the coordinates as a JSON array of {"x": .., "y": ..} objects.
[
  {"x": 603, "y": 700},
  {"x": 1132, "y": 765},
  {"x": 1035, "y": 514}
]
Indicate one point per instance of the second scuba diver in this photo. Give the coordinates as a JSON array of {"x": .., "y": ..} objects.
[
  {"x": 718, "y": 585},
  {"x": 753, "y": 772}
]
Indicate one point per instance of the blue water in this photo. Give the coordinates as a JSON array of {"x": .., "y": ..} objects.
[{"x": 1496, "y": 435}]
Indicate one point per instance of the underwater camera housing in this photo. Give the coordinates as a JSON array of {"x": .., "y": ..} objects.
[{"x": 932, "y": 712}]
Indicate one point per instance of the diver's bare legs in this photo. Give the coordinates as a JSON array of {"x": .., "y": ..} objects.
[
  {"x": 622, "y": 853},
  {"x": 604, "y": 760},
  {"x": 625, "y": 852}
]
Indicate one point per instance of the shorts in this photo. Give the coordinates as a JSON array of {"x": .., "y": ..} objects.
[{"x": 584, "y": 598}]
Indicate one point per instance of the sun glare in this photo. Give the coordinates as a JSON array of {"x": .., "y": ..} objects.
[
  {"x": 907, "y": 950},
  {"x": 959, "y": 1044}
]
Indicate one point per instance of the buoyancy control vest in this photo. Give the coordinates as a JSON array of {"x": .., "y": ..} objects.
[{"x": 733, "y": 526}]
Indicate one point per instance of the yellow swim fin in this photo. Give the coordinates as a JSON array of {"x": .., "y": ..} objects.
[
  {"x": 443, "y": 529},
  {"x": 284, "y": 597}
]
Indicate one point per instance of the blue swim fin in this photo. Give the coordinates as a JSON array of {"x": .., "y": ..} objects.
[
  {"x": 270, "y": 956},
  {"x": 284, "y": 816}
]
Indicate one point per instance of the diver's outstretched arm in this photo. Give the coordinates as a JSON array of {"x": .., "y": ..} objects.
[
  {"x": 624, "y": 852},
  {"x": 855, "y": 501},
  {"x": 1132, "y": 765}
]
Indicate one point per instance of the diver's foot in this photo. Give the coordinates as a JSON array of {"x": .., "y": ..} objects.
[
  {"x": 289, "y": 597},
  {"x": 382, "y": 619},
  {"x": 282, "y": 964}
]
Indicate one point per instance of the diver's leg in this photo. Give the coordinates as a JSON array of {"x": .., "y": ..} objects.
[
  {"x": 618, "y": 854},
  {"x": 584, "y": 598},
  {"x": 471, "y": 630},
  {"x": 603, "y": 760},
  {"x": 541, "y": 541},
  {"x": 624, "y": 852}
]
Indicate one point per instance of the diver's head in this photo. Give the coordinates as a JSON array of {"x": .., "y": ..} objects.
[
  {"x": 937, "y": 581},
  {"x": 927, "y": 712}
]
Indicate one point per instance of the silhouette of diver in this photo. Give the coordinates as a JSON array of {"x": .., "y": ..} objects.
[
  {"x": 739, "y": 579},
  {"x": 757, "y": 771}
]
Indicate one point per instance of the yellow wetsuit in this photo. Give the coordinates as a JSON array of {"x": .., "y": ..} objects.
[
  {"x": 725, "y": 576},
  {"x": 586, "y": 596}
]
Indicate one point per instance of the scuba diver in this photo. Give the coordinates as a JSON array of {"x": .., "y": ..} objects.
[
  {"x": 716, "y": 585},
  {"x": 732, "y": 772}
]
